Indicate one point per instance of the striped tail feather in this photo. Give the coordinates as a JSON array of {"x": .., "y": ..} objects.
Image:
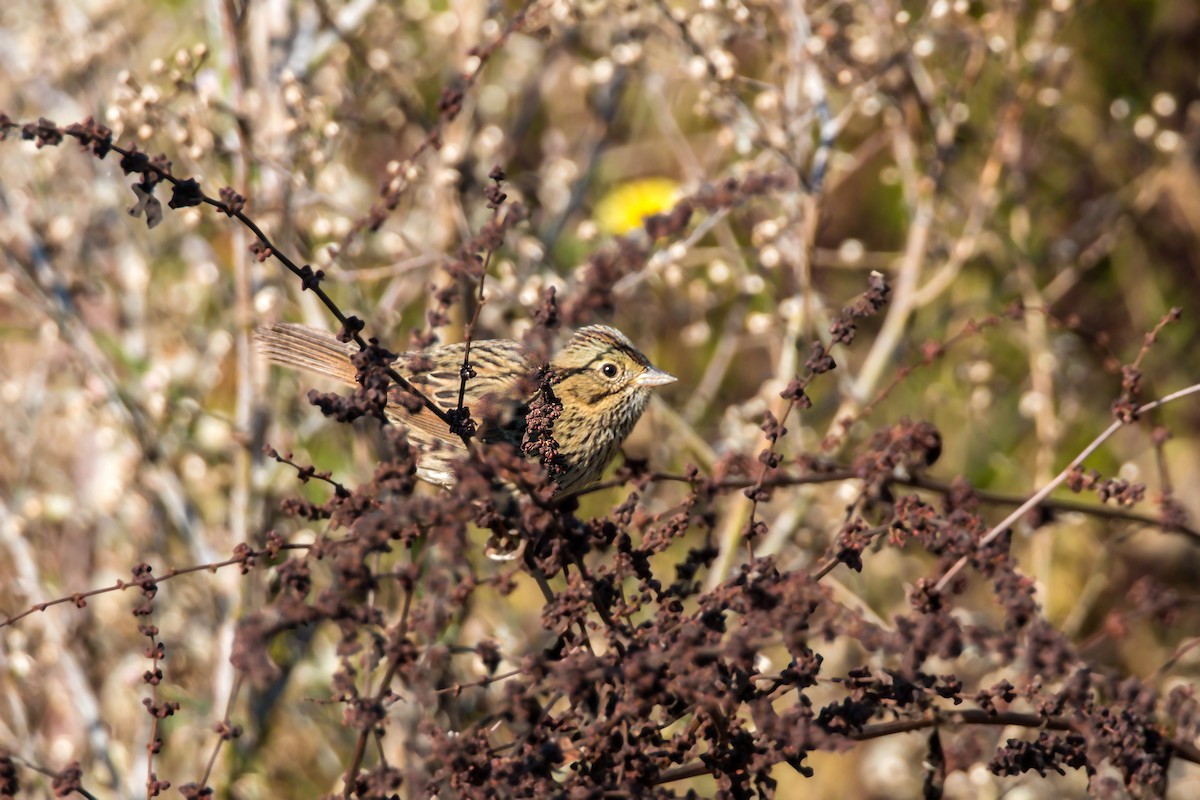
[{"x": 307, "y": 348}]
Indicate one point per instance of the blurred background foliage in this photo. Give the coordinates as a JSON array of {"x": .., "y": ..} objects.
[{"x": 979, "y": 154}]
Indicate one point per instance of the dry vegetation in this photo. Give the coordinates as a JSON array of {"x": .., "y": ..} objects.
[{"x": 908, "y": 260}]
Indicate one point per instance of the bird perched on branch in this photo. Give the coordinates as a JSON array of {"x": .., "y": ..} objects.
[{"x": 600, "y": 379}]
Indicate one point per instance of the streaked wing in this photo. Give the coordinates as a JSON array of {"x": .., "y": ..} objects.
[
  {"x": 503, "y": 370},
  {"x": 501, "y": 366}
]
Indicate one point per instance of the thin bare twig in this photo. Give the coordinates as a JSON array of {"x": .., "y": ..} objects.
[{"x": 1045, "y": 491}]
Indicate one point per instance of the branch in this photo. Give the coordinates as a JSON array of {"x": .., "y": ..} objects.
[{"x": 1038, "y": 498}]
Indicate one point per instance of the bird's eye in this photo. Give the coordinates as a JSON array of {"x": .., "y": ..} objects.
[{"x": 609, "y": 369}]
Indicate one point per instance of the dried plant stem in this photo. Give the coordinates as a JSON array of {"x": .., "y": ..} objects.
[
  {"x": 902, "y": 303},
  {"x": 226, "y": 722},
  {"x": 692, "y": 441},
  {"x": 236, "y": 70},
  {"x": 393, "y": 666},
  {"x": 1047, "y": 423},
  {"x": 985, "y": 199},
  {"x": 970, "y": 716},
  {"x": 79, "y": 598},
  {"x": 1045, "y": 491},
  {"x": 84, "y": 701},
  {"x": 1090, "y": 509}
]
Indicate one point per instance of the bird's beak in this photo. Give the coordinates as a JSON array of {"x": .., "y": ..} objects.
[{"x": 654, "y": 377}]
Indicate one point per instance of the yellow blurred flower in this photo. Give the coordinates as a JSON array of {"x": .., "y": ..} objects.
[{"x": 625, "y": 206}]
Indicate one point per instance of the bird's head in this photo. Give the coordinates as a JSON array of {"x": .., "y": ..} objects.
[{"x": 600, "y": 370}]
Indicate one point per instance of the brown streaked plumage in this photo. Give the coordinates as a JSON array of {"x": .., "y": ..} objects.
[{"x": 601, "y": 379}]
